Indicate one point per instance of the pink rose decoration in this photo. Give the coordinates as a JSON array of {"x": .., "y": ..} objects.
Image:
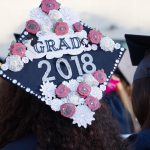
[
  {"x": 67, "y": 110},
  {"x": 84, "y": 89},
  {"x": 92, "y": 103},
  {"x": 62, "y": 91},
  {"x": 95, "y": 36},
  {"x": 78, "y": 27},
  {"x": 32, "y": 27},
  {"x": 112, "y": 86},
  {"x": 18, "y": 49},
  {"x": 100, "y": 76},
  {"x": 61, "y": 28},
  {"x": 48, "y": 5}
]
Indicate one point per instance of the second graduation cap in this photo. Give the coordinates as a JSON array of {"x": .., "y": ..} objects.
[
  {"x": 62, "y": 62},
  {"x": 138, "y": 46}
]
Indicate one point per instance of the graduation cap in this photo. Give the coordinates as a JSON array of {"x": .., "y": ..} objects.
[
  {"x": 139, "y": 47},
  {"x": 62, "y": 61}
]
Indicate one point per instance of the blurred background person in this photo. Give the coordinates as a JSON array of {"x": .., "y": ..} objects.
[{"x": 139, "y": 47}]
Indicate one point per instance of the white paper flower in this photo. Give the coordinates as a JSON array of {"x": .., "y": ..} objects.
[
  {"x": 73, "y": 98},
  {"x": 88, "y": 78},
  {"x": 69, "y": 16},
  {"x": 55, "y": 104},
  {"x": 39, "y": 16},
  {"x": 107, "y": 44},
  {"x": 55, "y": 15},
  {"x": 80, "y": 79},
  {"x": 81, "y": 101},
  {"x": 73, "y": 85},
  {"x": 47, "y": 29},
  {"x": 14, "y": 63},
  {"x": 48, "y": 101},
  {"x": 96, "y": 92},
  {"x": 48, "y": 90},
  {"x": 42, "y": 19},
  {"x": 83, "y": 116},
  {"x": 64, "y": 100},
  {"x": 103, "y": 87}
]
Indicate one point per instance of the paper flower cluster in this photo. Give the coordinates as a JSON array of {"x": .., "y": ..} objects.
[
  {"x": 76, "y": 98},
  {"x": 51, "y": 18}
]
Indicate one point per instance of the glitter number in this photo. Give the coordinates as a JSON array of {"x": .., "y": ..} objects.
[
  {"x": 86, "y": 59},
  {"x": 87, "y": 63},
  {"x": 76, "y": 59},
  {"x": 59, "y": 69},
  {"x": 45, "y": 77}
]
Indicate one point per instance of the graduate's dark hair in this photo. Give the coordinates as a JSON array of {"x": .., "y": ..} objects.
[
  {"x": 141, "y": 101},
  {"x": 22, "y": 114}
]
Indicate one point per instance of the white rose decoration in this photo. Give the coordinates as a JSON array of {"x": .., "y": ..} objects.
[
  {"x": 14, "y": 63},
  {"x": 96, "y": 92},
  {"x": 55, "y": 15},
  {"x": 89, "y": 79},
  {"x": 107, "y": 44}
]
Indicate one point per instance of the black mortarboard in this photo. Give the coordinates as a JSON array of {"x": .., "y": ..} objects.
[
  {"x": 139, "y": 47},
  {"x": 62, "y": 62}
]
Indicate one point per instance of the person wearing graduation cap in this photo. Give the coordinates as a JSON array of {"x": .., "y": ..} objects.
[
  {"x": 58, "y": 69},
  {"x": 139, "y": 47}
]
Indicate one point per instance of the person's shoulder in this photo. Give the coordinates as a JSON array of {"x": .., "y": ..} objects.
[
  {"x": 140, "y": 141},
  {"x": 25, "y": 143}
]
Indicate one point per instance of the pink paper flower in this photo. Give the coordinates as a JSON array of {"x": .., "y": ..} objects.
[
  {"x": 95, "y": 36},
  {"x": 100, "y": 76},
  {"x": 18, "y": 49},
  {"x": 32, "y": 27},
  {"x": 48, "y": 5},
  {"x": 84, "y": 89},
  {"x": 62, "y": 91},
  {"x": 61, "y": 28},
  {"x": 92, "y": 103},
  {"x": 112, "y": 86},
  {"x": 78, "y": 27},
  {"x": 67, "y": 110}
]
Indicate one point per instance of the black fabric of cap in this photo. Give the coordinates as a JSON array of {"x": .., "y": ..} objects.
[{"x": 138, "y": 45}]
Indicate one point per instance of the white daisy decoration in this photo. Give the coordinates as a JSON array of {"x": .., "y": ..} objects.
[
  {"x": 89, "y": 79},
  {"x": 48, "y": 101},
  {"x": 107, "y": 44},
  {"x": 73, "y": 98},
  {"x": 103, "y": 87},
  {"x": 55, "y": 104},
  {"x": 55, "y": 15},
  {"x": 81, "y": 101},
  {"x": 65, "y": 100},
  {"x": 42, "y": 19},
  {"x": 48, "y": 89},
  {"x": 73, "y": 85},
  {"x": 69, "y": 15},
  {"x": 83, "y": 116},
  {"x": 39, "y": 16},
  {"x": 96, "y": 92},
  {"x": 80, "y": 79}
]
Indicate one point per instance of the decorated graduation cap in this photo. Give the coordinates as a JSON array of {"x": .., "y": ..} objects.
[
  {"x": 139, "y": 47},
  {"x": 62, "y": 62}
]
